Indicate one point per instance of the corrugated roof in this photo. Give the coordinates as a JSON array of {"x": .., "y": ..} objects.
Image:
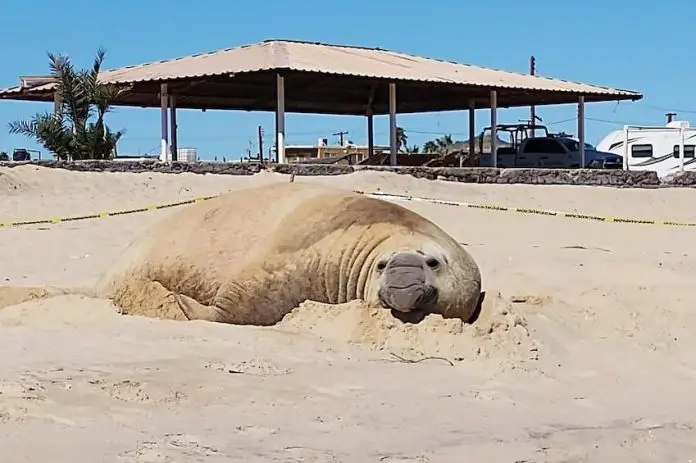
[
  {"x": 339, "y": 60},
  {"x": 19, "y": 89}
]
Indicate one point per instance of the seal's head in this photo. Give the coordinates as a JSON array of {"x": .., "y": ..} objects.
[{"x": 419, "y": 275}]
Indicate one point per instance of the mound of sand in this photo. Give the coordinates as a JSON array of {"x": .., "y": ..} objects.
[
  {"x": 59, "y": 310},
  {"x": 498, "y": 331},
  {"x": 9, "y": 183},
  {"x": 14, "y": 295}
]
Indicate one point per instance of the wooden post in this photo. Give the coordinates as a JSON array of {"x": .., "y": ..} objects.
[
  {"x": 392, "y": 124},
  {"x": 581, "y": 129},
  {"x": 472, "y": 130},
  {"x": 173, "y": 128},
  {"x": 261, "y": 144},
  {"x": 494, "y": 131}
]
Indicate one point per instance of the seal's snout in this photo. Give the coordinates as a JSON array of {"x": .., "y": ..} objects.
[
  {"x": 429, "y": 297},
  {"x": 408, "y": 283}
]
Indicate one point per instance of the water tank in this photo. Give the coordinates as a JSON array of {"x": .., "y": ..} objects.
[{"x": 187, "y": 154}]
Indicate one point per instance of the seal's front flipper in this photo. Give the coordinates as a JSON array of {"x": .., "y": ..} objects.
[{"x": 194, "y": 310}]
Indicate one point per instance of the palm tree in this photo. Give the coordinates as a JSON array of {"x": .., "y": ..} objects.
[
  {"x": 415, "y": 149},
  {"x": 430, "y": 147},
  {"x": 401, "y": 138},
  {"x": 68, "y": 133},
  {"x": 438, "y": 145},
  {"x": 444, "y": 142}
]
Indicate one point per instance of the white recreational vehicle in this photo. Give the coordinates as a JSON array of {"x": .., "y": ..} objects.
[{"x": 657, "y": 148}]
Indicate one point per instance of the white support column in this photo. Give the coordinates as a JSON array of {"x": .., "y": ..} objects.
[
  {"x": 494, "y": 123},
  {"x": 392, "y": 124},
  {"x": 472, "y": 131},
  {"x": 280, "y": 119},
  {"x": 625, "y": 148},
  {"x": 581, "y": 129},
  {"x": 164, "y": 145},
  {"x": 681, "y": 149},
  {"x": 370, "y": 133},
  {"x": 174, "y": 150}
]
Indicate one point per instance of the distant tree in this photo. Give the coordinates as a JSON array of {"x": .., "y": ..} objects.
[
  {"x": 414, "y": 149},
  {"x": 444, "y": 141},
  {"x": 401, "y": 139},
  {"x": 438, "y": 145},
  {"x": 430, "y": 147},
  {"x": 69, "y": 133}
]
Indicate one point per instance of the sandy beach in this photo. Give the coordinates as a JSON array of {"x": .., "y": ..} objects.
[{"x": 585, "y": 352}]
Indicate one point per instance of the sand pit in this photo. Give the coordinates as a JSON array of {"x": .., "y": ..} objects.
[{"x": 563, "y": 364}]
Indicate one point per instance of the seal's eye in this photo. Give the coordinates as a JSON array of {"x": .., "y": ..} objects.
[
  {"x": 432, "y": 262},
  {"x": 381, "y": 265}
]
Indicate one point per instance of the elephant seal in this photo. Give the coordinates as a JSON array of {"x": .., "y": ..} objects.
[{"x": 253, "y": 255}]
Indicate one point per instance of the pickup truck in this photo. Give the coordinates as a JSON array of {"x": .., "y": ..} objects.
[{"x": 552, "y": 152}]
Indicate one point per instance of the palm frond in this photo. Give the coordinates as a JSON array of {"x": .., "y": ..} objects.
[
  {"x": 96, "y": 65},
  {"x": 22, "y": 127}
]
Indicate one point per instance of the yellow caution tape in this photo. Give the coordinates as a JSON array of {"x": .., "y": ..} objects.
[
  {"x": 100, "y": 215},
  {"x": 524, "y": 210},
  {"x": 376, "y": 194}
]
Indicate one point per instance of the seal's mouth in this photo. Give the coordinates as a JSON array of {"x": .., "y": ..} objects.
[
  {"x": 414, "y": 315},
  {"x": 408, "y": 299}
]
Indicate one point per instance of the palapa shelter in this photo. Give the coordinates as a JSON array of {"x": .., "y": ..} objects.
[{"x": 303, "y": 77}]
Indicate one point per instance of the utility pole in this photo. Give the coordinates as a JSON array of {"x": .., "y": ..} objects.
[
  {"x": 340, "y": 135},
  {"x": 261, "y": 144},
  {"x": 532, "y": 108}
]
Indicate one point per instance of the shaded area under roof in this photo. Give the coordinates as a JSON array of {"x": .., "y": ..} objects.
[{"x": 328, "y": 79}]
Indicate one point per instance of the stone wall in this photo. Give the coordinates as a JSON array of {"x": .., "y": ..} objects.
[
  {"x": 591, "y": 177},
  {"x": 616, "y": 178},
  {"x": 147, "y": 166},
  {"x": 681, "y": 179}
]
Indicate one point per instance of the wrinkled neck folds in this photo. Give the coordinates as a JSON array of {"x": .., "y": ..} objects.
[{"x": 348, "y": 266}]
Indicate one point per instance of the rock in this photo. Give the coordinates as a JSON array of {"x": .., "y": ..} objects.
[
  {"x": 313, "y": 169},
  {"x": 147, "y": 166},
  {"x": 680, "y": 179}
]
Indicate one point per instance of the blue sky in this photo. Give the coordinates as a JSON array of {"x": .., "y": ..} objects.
[{"x": 639, "y": 46}]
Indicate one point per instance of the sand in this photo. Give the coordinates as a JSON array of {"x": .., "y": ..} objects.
[{"x": 583, "y": 351}]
